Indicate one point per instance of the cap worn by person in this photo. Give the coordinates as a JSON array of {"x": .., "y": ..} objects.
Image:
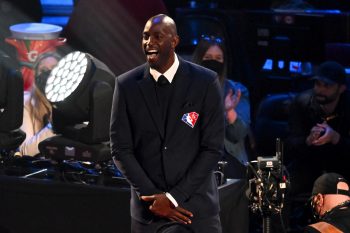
[
  {"x": 331, "y": 72},
  {"x": 328, "y": 184}
]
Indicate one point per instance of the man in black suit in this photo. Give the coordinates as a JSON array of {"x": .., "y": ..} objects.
[{"x": 167, "y": 133}]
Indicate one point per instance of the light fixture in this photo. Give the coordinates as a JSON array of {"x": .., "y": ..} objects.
[
  {"x": 11, "y": 106},
  {"x": 80, "y": 89}
]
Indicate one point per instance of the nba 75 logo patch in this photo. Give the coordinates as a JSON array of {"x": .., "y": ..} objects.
[{"x": 190, "y": 118}]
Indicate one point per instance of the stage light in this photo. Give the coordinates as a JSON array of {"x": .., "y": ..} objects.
[
  {"x": 66, "y": 77},
  {"x": 11, "y": 105},
  {"x": 80, "y": 89}
]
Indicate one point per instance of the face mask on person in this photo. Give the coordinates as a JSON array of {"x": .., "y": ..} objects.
[
  {"x": 214, "y": 65},
  {"x": 40, "y": 80}
]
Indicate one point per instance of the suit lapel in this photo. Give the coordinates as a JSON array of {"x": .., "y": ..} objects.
[
  {"x": 182, "y": 82},
  {"x": 146, "y": 85}
]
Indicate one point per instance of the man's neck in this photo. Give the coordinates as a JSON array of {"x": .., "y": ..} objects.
[{"x": 334, "y": 202}]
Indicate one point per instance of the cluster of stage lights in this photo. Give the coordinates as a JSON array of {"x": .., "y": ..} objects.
[{"x": 66, "y": 76}]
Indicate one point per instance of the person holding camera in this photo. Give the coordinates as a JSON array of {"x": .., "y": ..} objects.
[
  {"x": 319, "y": 125},
  {"x": 330, "y": 203}
]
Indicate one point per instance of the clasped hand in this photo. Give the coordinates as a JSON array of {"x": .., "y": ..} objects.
[
  {"x": 162, "y": 206},
  {"x": 322, "y": 134}
]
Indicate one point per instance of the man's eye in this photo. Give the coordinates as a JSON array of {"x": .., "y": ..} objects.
[{"x": 159, "y": 37}]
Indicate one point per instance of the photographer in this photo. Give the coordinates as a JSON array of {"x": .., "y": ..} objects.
[
  {"x": 319, "y": 128},
  {"x": 330, "y": 201}
]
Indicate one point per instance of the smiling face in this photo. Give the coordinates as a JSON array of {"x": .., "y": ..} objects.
[{"x": 159, "y": 41}]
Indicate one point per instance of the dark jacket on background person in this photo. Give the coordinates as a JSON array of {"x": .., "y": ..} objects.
[
  {"x": 236, "y": 133},
  {"x": 308, "y": 162},
  {"x": 305, "y": 112},
  {"x": 339, "y": 218}
]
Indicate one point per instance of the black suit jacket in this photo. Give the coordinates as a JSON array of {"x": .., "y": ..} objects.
[{"x": 176, "y": 158}]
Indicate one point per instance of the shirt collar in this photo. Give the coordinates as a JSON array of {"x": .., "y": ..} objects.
[{"x": 169, "y": 74}]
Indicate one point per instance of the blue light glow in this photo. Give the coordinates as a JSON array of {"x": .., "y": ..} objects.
[
  {"x": 56, "y": 20},
  {"x": 268, "y": 64},
  {"x": 57, "y": 2},
  {"x": 295, "y": 66},
  {"x": 281, "y": 64}
]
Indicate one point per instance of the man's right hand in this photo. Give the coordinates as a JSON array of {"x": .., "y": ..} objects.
[
  {"x": 315, "y": 133},
  {"x": 322, "y": 134},
  {"x": 162, "y": 206}
]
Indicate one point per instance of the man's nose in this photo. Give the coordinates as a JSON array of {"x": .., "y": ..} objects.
[{"x": 151, "y": 40}]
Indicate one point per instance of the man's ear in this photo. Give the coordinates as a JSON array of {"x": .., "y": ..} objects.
[
  {"x": 175, "y": 42},
  {"x": 319, "y": 199}
]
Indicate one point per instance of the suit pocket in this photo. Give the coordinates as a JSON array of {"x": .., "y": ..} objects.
[{"x": 188, "y": 104}]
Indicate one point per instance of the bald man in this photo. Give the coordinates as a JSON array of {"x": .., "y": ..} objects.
[{"x": 167, "y": 134}]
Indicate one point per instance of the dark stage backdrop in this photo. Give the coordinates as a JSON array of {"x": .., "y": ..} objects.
[
  {"x": 42, "y": 206},
  {"x": 15, "y": 12},
  {"x": 112, "y": 30}
]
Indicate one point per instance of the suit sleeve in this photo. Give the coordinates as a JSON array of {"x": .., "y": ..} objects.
[
  {"x": 122, "y": 146},
  {"x": 211, "y": 144}
]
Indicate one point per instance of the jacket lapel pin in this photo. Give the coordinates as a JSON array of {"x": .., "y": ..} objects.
[{"x": 190, "y": 118}]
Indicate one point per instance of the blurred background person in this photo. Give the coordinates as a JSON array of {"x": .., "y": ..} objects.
[
  {"x": 37, "y": 113},
  {"x": 319, "y": 125},
  {"x": 210, "y": 52},
  {"x": 330, "y": 203}
]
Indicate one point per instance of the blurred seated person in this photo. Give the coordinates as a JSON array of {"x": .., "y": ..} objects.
[
  {"x": 319, "y": 124},
  {"x": 330, "y": 203},
  {"x": 37, "y": 109},
  {"x": 210, "y": 52}
]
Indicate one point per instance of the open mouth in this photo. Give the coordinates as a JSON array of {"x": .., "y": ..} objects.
[{"x": 151, "y": 54}]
